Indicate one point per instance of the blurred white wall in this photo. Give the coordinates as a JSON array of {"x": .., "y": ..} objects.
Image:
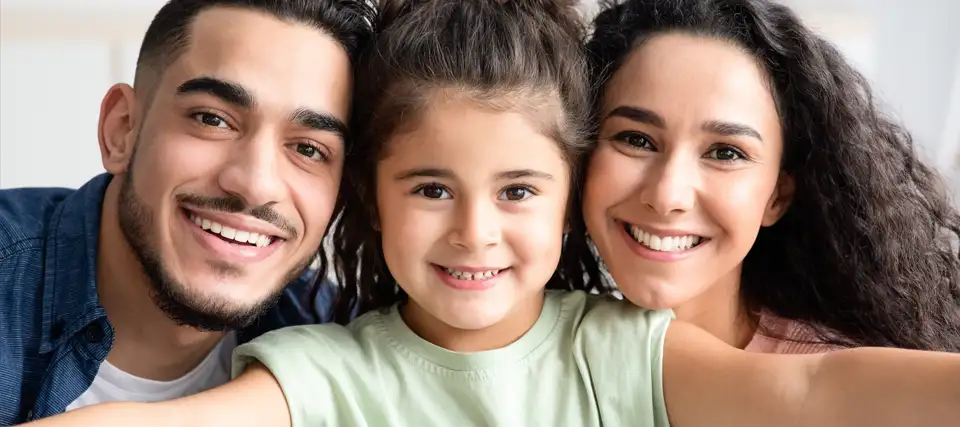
[{"x": 58, "y": 57}]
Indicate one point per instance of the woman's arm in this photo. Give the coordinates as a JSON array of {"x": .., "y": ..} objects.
[
  {"x": 707, "y": 383},
  {"x": 254, "y": 399}
]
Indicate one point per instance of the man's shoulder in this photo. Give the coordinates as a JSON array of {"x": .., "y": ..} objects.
[{"x": 25, "y": 215}]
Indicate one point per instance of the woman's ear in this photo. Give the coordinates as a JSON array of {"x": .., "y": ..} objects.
[{"x": 780, "y": 200}]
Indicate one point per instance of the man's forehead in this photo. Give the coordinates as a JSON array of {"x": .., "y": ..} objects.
[{"x": 282, "y": 63}]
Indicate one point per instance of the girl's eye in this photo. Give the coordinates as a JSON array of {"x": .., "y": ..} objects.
[
  {"x": 433, "y": 191},
  {"x": 516, "y": 194},
  {"x": 635, "y": 140},
  {"x": 726, "y": 154},
  {"x": 311, "y": 152},
  {"x": 210, "y": 119}
]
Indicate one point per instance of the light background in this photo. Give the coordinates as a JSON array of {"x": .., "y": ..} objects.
[{"x": 58, "y": 57}]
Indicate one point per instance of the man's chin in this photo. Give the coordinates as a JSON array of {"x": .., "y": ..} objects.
[{"x": 188, "y": 307}]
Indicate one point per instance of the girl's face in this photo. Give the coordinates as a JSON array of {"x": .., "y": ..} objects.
[
  {"x": 686, "y": 171},
  {"x": 472, "y": 215}
]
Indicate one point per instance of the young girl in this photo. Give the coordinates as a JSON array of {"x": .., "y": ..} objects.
[
  {"x": 472, "y": 117},
  {"x": 732, "y": 123}
]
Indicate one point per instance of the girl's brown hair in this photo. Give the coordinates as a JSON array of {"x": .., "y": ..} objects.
[{"x": 523, "y": 55}]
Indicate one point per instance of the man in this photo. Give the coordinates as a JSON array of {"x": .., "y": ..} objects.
[{"x": 224, "y": 161}]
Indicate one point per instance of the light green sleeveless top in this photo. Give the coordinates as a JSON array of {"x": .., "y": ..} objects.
[{"x": 587, "y": 361}]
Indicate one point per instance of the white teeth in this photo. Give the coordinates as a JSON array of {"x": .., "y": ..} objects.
[
  {"x": 228, "y": 232},
  {"x": 664, "y": 244},
  {"x": 241, "y": 236},
  {"x": 478, "y": 275},
  {"x": 655, "y": 243}
]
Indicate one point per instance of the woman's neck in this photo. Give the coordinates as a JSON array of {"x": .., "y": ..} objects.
[
  {"x": 721, "y": 311},
  {"x": 514, "y": 325}
]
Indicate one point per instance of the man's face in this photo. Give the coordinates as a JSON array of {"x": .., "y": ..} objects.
[{"x": 236, "y": 165}]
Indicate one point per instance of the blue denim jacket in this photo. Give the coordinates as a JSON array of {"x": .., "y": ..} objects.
[{"x": 53, "y": 332}]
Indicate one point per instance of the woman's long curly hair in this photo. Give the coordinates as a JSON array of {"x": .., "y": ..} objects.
[
  {"x": 520, "y": 54},
  {"x": 867, "y": 253}
]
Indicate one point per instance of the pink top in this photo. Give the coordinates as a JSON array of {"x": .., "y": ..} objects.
[{"x": 799, "y": 338}]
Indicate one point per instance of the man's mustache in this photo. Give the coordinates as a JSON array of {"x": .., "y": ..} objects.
[{"x": 234, "y": 204}]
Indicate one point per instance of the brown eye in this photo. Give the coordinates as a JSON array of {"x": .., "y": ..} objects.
[
  {"x": 516, "y": 194},
  {"x": 311, "y": 152},
  {"x": 726, "y": 154},
  {"x": 212, "y": 120},
  {"x": 433, "y": 191},
  {"x": 634, "y": 140}
]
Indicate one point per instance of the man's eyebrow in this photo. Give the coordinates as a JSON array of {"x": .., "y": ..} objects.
[
  {"x": 228, "y": 92},
  {"x": 319, "y": 121}
]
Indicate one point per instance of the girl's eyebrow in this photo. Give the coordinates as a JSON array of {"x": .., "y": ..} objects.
[
  {"x": 424, "y": 172},
  {"x": 524, "y": 173},
  {"x": 447, "y": 173}
]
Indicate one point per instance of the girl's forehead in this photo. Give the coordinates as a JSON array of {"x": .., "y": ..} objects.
[{"x": 473, "y": 140}]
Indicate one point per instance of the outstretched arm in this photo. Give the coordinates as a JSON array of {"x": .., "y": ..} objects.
[
  {"x": 707, "y": 383},
  {"x": 254, "y": 399}
]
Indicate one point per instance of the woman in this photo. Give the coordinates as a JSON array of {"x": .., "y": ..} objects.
[{"x": 744, "y": 178}]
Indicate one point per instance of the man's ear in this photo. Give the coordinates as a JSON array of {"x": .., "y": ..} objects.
[
  {"x": 780, "y": 200},
  {"x": 117, "y": 129}
]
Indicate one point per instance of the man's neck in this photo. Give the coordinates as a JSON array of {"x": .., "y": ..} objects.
[
  {"x": 721, "y": 311},
  {"x": 147, "y": 343}
]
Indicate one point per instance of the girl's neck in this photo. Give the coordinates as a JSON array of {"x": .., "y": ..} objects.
[
  {"x": 499, "y": 335},
  {"x": 721, "y": 311}
]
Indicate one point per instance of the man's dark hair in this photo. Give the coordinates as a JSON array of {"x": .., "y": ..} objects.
[{"x": 349, "y": 22}]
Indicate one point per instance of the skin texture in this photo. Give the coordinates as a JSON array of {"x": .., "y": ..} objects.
[
  {"x": 234, "y": 130},
  {"x": 690, "y": 144},
  {"x": 472, "y": 188}
]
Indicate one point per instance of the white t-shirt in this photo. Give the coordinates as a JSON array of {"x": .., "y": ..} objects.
[{"x": 113, "y": 385}]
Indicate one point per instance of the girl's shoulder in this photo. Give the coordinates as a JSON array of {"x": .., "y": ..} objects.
[{"x": 621, "y": 346}]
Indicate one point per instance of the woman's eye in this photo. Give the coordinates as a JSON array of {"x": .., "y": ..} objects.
[
  {"x": 433, "y": 192},
  {"x": 634, "y": 140},
  {"x": 726, "y": 154},
  {"x": 212, "y": 120},
  {"x": 516, "y": 194},
  {"x": 310, "y": 152}
]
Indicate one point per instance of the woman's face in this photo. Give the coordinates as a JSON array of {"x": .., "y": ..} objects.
[{"x": 686, "y": 170}]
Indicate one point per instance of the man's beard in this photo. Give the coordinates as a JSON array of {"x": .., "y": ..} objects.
[{"x": 176, "y": 300}]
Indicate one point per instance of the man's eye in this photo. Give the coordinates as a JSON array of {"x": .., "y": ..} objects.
[
  {"x": 311, "y": 152},
  {"x": 212, "y": 120}
]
